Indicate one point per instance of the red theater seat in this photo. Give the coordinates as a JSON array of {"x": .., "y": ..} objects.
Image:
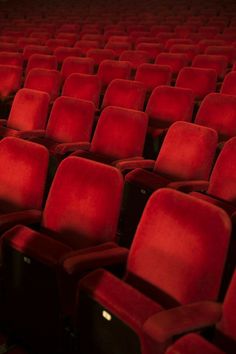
[
  {"x": 125, "y": 93},
  {"x": 209, "y": 61},
  {"x": 83, "y": 86},
  {"x": 44, "y": 80},
  {"x": 174, "y": 60},
  {"x": 10, "y": 80},
  {"x": 109, "y": 70},
  {"x": 164, "y": 242},
  {"x": 63, "y": 53},
  {"x": 77, "y": 65},
  {"x": 135, "y": 57},
  {"x": 41, "y": 61},
  {"x": 152, "y": 75},
  {"x": 100, "y": 54},
  {"x": 229, "y": 84},
  {"x": 68, "y": 227},
  {"x": 10, "y": 58}
]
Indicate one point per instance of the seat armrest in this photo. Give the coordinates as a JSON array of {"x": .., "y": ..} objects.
[
  {"x": 25, "y": 217},
  {"x": 71, "y": 147},
  {"x": 179, "y": 320},
  {"x": 131, "y": 164},
  {"x": 189, "y": 186},
  {"x": 31, "y": 134},
  {"x": 104, "y": 255}
]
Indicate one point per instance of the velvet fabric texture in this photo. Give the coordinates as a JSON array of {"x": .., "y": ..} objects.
[
  {"x": 44, "y": 80},
  {"x": 176, "y": 236},
  {"x": 153, "y": 49},
  {"x": 120, "y": 134},
  {"x": 85, "y": 87},
  {"x": 63, "y": 53},
  {"x": 8, "y": 58},
  {"x": 176, "y": 61},
  {"x": 23, "y": 172},
  {"x": 213, "y": 108},
  {"x": 100, "y": 54},
  {"x": 41, "y": 61},
  {"x": 54, "y": 43},
  {"x": 29, "y": 110},
  {"x": 80, "y": 207},
  {"x": 201, "y": 81},
  {"x": 210, "y": 61},
  {"x": 73, "y": 64},
  {"x": 118, "y": 47},
  {"x": 10, "y": 80},
  {"x": 109, "y": 70},
  {"x": 228, "y": 86},
  {"x": 86, "y": 45},
  {"x": 168, "y": 104},
  {"x": 191, "y": 50},
  {"x": 135, "y": 57},
  {"x": 228, "y": 51},
  {"x": 152, "y": 75},
  {"x": 125, "y": 93},
  {"x": 35, "y": 49}
]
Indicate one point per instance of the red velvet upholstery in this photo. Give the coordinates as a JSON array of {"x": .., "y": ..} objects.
[
  {"x": 35, "y": 49},
  {"x": 83, "y": 86},
  {"x": 169, "y": 104},
  {"x": 62, "y": 53},
  {"x": 209, "y": 61},
  {"x": 152, "y": 75},
  {"x": 228, "y": 51},
  {"x": 222, "y": 189},
  {"x": 153, "y": 49},
  {"x": 125, "y": 93},
  {"x": 8, "y": 47},
  {"x": 10, "y": 80},
  {"x": 175, "y": 60},
  {"x": 70, "y": 120},
  {"x": 23, "y": 171},
  {"x": 29, "y": 111},
  {"x": 54, "y": 43},
  {"x": 41, "y": 61},
  {"x": 201, "y": 81},
  {"x": 85, "y": 46},
  {"x": 172, "y": 226},
  {"x": 229, "y": 84},
  {"x": 218, "y": 111},
  {"x": 44, "y": 80},
  {"x": 191, "y": 50},
  {"x": 8, "y": 58},
  {"x": 98, "y": 55},
  {"x": 135, "y": 57},
  {"x": 109, "y": 70},
  {"x": 120, "y": 134},
  {"x": 204, "y": 43},
  {"x": 173, "y": 41},
  {"x": 118, "y": 46},
  {"x": 76, "y": 65}
]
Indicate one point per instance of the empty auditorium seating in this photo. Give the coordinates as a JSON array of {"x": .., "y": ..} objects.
[
  {"x": 125, "y": 93},
  {"x": 10, "y": 81},
  {"x": 164, "y": 242},
  {"x": 201, "y": 81},
  {"x": 228, "y": 51},
  {"x": 28, "y": 111},
  {"x": 62, "y": 53},
  {"x": 216, "y": 62},
  {"x": 175, "y": 60},
  {"x": 218, "y": 111},
  {"x": 76, "y": 65},
  {"x": 35, "y": 49},
  {"x": 78, "y": 229},
  {"x": 119, "y": 136},
  {"x": 118, "y": 46},
  {"x": 221, "y": 188},
  {"x": 181, "y": 146},
  {"x": 109, "y": 70},
  {"x": 70, "y": 121},
  {"x": 83, "y": 86},
  {"x": 135, "y": 57},
  {"x": 229, "y": 84},
  {"x": 153, "y": 75},
  {"x": 11, "y": 58},
  {"x": 100, "y": 54},
  {"x": 85, "y": 46},
  {"x": 41, "y": 61},
  {"x": 153, "y": 49}
]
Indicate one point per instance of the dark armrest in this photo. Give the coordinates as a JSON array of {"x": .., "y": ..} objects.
[
  {"x": 103, "y": 255},
  {"x": 31, "y": 134},
  {"x": 130, "y": 164},
  {"x": 189, "y": 186},
  {"x": 165, "y": 324},
  {"x": 26, "y": 217},
  {"x": 71, "y": 147}
]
